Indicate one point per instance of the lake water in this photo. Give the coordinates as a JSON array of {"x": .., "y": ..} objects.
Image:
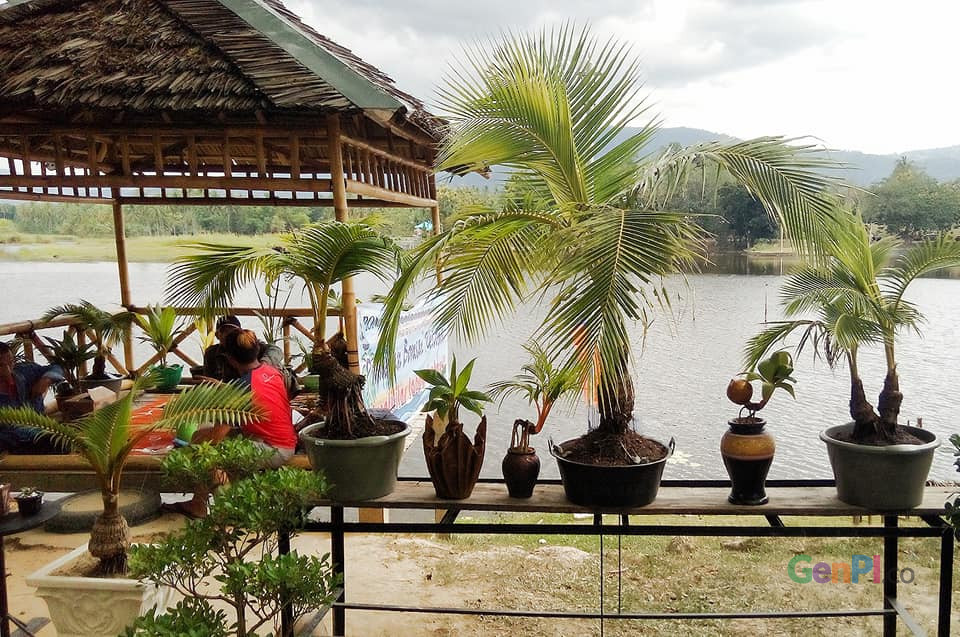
[{"x": 681, "y": 370}]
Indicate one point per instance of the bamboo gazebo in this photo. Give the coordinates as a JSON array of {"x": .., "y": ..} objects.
[{"x": 201, "y": 102}]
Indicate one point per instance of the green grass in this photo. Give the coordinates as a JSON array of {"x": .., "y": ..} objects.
[
  {"x": 20, "y": 247},
  {"x": 685, "y": 574}
]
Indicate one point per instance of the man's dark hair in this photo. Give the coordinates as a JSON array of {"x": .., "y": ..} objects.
[
  {"x": 242, "y": 346},
  {"x": 5, "y": 347},
  {"x": 229, "y": 319}
]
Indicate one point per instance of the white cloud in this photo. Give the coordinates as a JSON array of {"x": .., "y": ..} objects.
[{"x": 871, "y": 76}]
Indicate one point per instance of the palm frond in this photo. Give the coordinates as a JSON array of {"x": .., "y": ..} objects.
[
  {"x": 920, "y": 259},
  {"x": 211, "y": 278}
]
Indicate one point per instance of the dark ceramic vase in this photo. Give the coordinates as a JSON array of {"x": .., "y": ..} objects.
[
  {"x": 521, "y": 467},
  {"x": 747, "y": 452}
]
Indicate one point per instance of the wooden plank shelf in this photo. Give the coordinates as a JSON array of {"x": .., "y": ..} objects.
[{"x": 671, "y": 500}]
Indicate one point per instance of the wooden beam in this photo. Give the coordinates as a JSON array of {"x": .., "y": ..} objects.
[
  {"x": 368, "y": 190},
  {"x": 391, "y": 154},
  {"x": 220, "y": 201},
  {"x": 169, "y": 181},
  {"x": 32, "y": 196}
]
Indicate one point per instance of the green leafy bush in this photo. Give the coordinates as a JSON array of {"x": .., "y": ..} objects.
[{"x": 230, "y": 554}]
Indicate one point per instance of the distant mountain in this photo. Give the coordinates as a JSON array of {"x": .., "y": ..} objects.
[{"x": 864, "y": 169}]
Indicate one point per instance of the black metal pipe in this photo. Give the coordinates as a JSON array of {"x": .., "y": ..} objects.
[
  {"x": 891, "y": 572},
  {"x": 500, "y": 612},
  {"x": 286, "y": 610},
  {"x": 946, "y": 582},
  {"x": 633, "y": 529},
  {"x": 338, "y": 558}
]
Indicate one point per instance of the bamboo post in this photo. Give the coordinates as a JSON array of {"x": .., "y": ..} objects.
[
  {"x": 339, "y": 188},
  {"x": 435, "y": 215},
  {"x": 119, "y": 235}
]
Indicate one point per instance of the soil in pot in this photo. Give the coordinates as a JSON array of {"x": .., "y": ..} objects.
[{"x": 605, "y": 449}]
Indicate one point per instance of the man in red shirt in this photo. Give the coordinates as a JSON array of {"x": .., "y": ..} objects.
[{"x": 274, "y": 432}]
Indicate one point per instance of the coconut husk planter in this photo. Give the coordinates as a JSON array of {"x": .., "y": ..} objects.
[{"x": 453, "y": 461}]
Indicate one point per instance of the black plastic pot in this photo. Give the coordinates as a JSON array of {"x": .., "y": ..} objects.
[
  {"x": 29, "y": 505},
  {"x": 610, "y": 486}
]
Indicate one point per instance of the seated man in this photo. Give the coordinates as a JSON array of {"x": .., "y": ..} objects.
[
  {"x": 25, "y": 384},
  {"x": 274, "y": 432},
  {"x": 215, "y": 363}
]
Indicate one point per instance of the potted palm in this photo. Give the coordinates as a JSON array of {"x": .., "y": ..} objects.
[
  {"x": 105, "y": 439},
  {"x": 585, "y": 225},
  {"x": 70, "y": 355},
  {"x": 453, "y": 461},
  {"x": 160, "y": 328},
  {"x": 358, "y": 453},
  {"x": 857, "y": 293},
  {"x": 108, "y": 330},
  {"x": 542, "y": 384}
]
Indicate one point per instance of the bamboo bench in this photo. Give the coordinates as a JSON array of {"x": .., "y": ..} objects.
[
  {"x": 706, "y": 498},
  {"x": 70, "y": 473}
]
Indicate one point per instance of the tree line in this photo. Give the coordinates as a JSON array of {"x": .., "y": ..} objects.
[{"x": 908, "y": 203}]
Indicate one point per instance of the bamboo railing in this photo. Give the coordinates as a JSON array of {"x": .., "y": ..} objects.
[{"x": 30, "y": 332}]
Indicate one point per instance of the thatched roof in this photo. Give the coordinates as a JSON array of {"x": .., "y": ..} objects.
[{"x": 185, "y": 56}]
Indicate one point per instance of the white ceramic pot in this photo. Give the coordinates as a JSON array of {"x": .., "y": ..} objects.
[{"x": 93, "y": 606}]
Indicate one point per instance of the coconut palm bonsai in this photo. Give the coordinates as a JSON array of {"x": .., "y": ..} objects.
[
  {"x": 585, "y": 225},
  {"x": 857, "y": 295},
  {"x": 108, "y": 330},
  {"x": 160, "y": 329},
  {"x": 70, "y": 355},
  {"x": 542, "y": 384},
  {"x": 106, "y": 437}
]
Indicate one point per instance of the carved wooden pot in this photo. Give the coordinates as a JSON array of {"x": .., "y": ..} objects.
[
  {"x": 747, "y": 452},
  {"x": 453, "y": 461}
]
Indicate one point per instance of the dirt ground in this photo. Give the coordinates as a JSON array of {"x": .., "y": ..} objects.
[{"x": 556, "y": 573}]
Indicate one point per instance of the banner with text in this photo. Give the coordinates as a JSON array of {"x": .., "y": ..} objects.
[{"x": 418, "y": 347}]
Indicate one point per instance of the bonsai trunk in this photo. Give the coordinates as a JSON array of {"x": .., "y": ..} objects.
[
  {"x": 889, "y": 404},
  {"x": 99, "y": 367},
  {"x": 615, "y": 401},
  {"x": 341, "y": 392},
  {"x": 110, "y": 537}
]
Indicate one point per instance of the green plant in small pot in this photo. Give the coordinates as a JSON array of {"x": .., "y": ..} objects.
[
  {"x": 453, "y": 461},
  {"x": 70, "y": 355},
  {"x": 857, "y": 297},
  {"x": 108, "y": 330},
  {"x": 228, "y": 557},
  {"x": 160, "y": 328},
  {"x": 358, "y": 453},
  {"x": 542, "y": 384},
  {"x": 29, "y": 501},
  {"x": 747, "y": 450}
]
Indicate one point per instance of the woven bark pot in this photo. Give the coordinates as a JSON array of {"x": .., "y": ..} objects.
[
  {"x": 453, "y": 461},
  {"x": 521, "y": 468},
  {"x": 620, "y": 486},
  {"x": 747, "y": 451},
  {"x": 888, "y": 478},
  {"x": 361, "y": 469}
]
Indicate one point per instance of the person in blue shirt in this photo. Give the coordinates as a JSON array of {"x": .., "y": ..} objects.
[{"x": 25, "y": 384}]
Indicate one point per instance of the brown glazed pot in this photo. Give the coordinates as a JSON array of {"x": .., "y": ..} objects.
[
  {"x": 747, "y": 452},
  {"x": 453, "y": 461},
  {"x": 521, "y": 467}
]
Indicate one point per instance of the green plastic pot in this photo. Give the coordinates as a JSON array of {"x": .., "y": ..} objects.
[
  {"x": 361, "y": 469},
  {"x": 888, "y": 478},
  {"x": 169, "y": 376}
]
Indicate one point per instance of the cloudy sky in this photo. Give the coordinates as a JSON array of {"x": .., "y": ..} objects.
[{"x": 878, "y": 76}]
